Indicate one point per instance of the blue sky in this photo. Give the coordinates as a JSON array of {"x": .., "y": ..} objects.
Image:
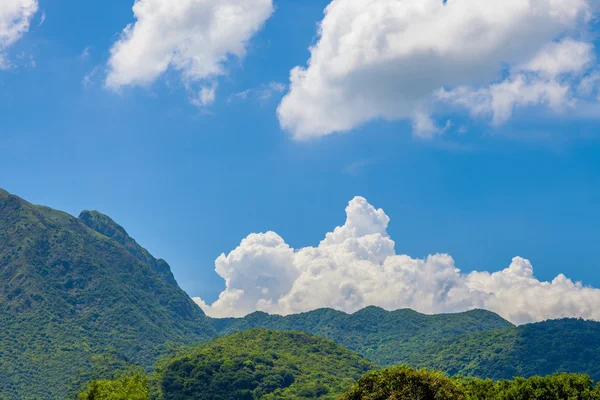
[{"x": 190, "y": 182}]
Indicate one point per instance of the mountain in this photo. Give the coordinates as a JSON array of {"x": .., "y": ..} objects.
[
  {"x": 474, "y": 343},
  {"x": 78, "y": 298},
  {"x": 81, "y": 299},
  {"x": 567, "y": 345},
  {"x": 383, "y": 337},
  {"x": 262, "y": 364}
]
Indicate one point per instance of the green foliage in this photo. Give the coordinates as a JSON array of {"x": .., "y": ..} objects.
[
  {"x": 400, "y": 383},
  {"x": 403, "y": 383},
  {"x": 77, "y": 305},
  {"x": 128, "y": 387},
  {"x": 80, "y": 299},
  {"x": 475, "y": 343},
  {"x": 385, "y": 338},
  {"x": 567, "y": 345},
  {"x": 261, "y": 364},
  {"x": 555, "y": 387}
]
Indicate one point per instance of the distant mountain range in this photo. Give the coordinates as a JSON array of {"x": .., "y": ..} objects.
[
  {"x": 80, "y": 299},
  {"x": 383, "y": 337},
  {"x": 474, "y": 343}
]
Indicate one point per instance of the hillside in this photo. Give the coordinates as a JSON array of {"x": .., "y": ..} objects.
[
  {"x": 567, "y": 345},
  {"x": 474, "y": 343},
  {"x": 79, "y": 298},
  {"x": 383, "y": 337},
  {"x": 262, "y": 364}
]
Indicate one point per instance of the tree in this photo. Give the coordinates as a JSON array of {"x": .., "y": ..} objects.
[
  {"x": 404, "y": 383},
  {"x": 555, "y": 387},
  {"x": 132, "y": 387}
]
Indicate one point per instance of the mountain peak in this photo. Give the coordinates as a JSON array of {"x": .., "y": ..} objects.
[
  {"x": 73, "y": 290},
  {"x": 106, "y": 226}
]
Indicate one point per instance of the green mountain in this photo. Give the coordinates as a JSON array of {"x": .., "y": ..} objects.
[
  {"x": 261, "y": 364},
  {"x": 383, "y": 337},
  {"x": 79, "y": 298},
  {"x": 474, "y": 343},
  {"x": 567, "y": 345}
]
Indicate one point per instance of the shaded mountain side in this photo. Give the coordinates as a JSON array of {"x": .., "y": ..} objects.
[
  {"x": 261, "y": 364},
  {"x": 106, "y": 226},
  {"x": 566, "y": 345},
  {"x": 77, "y": 296},
  {"x": 383, "y": 337}
]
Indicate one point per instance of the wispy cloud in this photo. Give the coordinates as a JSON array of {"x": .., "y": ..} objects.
[
  {"x": 354, "y": 168},
  {"x": 85, "y": 54},
  {"x": 261, "y": 93},
  {"x": 92, "y": 77}
]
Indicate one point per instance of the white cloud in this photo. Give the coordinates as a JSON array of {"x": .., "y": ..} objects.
[
  {"x": 85, "y": 54},
  {"x": 550, "y": 78},
  {"x": 262, "y": 93},
  {"x": 500, "y": 100},
  {"x": 387, "y": 59},
  {"x": 93, "y": 77},
  {"x": 589, "y": 85},
  {"x": 563, "y": 57},
  {"x": 194, "y": 37},
  {"x": 205, "y": 97},
  {"x": 356, "y": 266},
  {"x": 15, "y": 19}
]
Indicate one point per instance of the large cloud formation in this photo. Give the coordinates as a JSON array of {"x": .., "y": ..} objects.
[
  {"x": 194, "y": 37},
  {"x": 356, "y": 266},
  {"x": 15, "y": 18},
  {"x": 402, "y": 59}
]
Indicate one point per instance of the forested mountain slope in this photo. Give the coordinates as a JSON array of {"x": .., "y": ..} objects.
[
  {"x": 261, "y": 364},
  {"x": 566, "y": 345},
  {"x": 474, "y": 343},
  {"x": 78, "y": 297},
  {"x": 383, "y": 337}
]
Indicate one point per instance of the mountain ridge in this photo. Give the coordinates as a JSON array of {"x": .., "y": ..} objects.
[
  {"x": 383, "y": 337},
  {"x": 81, "y": 299},
  {"x": 73, "y": 299}
]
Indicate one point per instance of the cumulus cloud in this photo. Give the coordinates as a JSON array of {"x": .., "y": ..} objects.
[
  {"x": 548, "y": 78},
  {"x": 356, "y": 265},
  {"x": 15, "y": 19},
  {"x": 388, "y": 59},
  {"x": 193, "y": 37}
]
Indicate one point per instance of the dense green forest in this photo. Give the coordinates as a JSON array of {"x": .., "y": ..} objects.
[
  {"x": 383, "y": 337},
  {"x": 80, "y": 300},
  {"x": 404, "y": 383},
  {"x": 567, "y": 345},
  {"x": 261, "y": 364},
  {"x": 76, "y": 304},
  {"x": 252, "y": 373},
  {"x": 474, "y": 343}
]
